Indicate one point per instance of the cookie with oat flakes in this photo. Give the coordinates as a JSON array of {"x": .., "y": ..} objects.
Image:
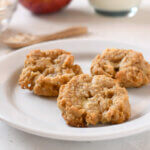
[
  {"x": 45, "y": 71},
  {"x": 86, "y": 100},
  {"x": 127, "y": 66}
]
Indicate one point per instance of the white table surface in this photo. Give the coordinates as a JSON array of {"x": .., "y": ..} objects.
[{"x": 129, "y": 30}]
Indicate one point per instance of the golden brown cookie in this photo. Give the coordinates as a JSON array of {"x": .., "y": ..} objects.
[
  {"x": 45, "y": 71},
  {"x": 127, "y": 66},
  {"x": 86, "y": 100}
]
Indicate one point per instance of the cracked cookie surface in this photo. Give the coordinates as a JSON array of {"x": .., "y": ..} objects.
[
  {"x": 127, "y": 66},
  {"x": 86, "y": 100},
  {"x": 45, "y": 71}
]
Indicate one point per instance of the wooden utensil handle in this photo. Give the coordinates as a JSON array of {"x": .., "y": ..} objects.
[{"x": 71, "y": 32}]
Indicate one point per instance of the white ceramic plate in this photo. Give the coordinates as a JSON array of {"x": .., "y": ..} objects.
[{"x": 38, "y": 115}]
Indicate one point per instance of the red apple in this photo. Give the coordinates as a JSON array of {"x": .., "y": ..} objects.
[{"x": 44, "y": 6}]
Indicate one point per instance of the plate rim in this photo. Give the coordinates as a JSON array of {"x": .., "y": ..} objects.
[{"x": 69, "y": 137}]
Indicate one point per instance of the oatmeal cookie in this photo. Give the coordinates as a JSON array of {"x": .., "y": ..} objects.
[
  {"x": 86, "y": 100},
  {"x": 45, "y": 71},
  {"x": 127, "y": 66}
]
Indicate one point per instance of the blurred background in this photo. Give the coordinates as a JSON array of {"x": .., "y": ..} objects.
[{"x": 110, "y": 20}]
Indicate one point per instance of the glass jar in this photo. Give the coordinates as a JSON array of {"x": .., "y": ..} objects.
[
  {"x": 116, "y": 7},
  {"x": 7, "y": 8}
]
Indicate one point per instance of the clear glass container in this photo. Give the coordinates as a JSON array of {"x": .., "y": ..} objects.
[
  {"x": 116, "y": 7},
  {"x": 7, "y": 8}
]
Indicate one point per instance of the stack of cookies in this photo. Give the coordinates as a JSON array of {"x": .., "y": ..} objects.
[{"x": 83, "y": 99}]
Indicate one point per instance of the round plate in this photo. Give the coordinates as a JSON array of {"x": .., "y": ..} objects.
[{"x": 40, "y": 115}]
